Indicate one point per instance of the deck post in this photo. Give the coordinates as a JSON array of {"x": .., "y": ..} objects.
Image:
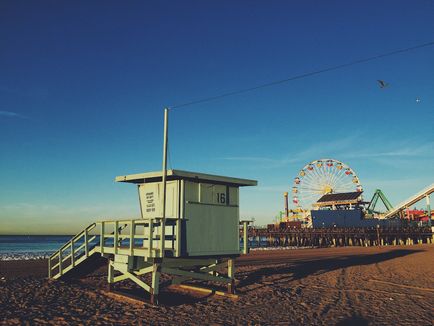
[
  {"x": 231, "y": 275},
  {"x": 151, "y": 234},
  {"x": 60, "y": 262},
  {"x": 178, "y": 238},
  {"x": 86, "y": 244},
  {"x": 101, "y": 239},
  {"x": 132, "y": 232},
  {"x": 155, "y": 283},
  {"x": 110, "y": 275},
  {"x": 144, "y": 235},
  {"x": 72, "y": 253},
  {"x": 115, "y": 237}
]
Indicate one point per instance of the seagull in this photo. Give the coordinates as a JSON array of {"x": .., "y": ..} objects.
[
  {"x": 417, "y": 100},
  {"x": 382, "y": 83}
]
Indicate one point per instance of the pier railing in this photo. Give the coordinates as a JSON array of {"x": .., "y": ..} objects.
[{"x": 326, "y": 237}]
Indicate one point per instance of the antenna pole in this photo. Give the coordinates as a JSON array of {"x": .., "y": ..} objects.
[{"x": 163, "y": 220}]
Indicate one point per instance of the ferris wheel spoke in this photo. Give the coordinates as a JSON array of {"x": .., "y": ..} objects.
[
  {"x": 345, "y": 182},
  {"x": 327, "y": 176},
  {"x": 346, "y": 187},
  {"x": 312, "y": 191},
  {"x": 310, "y": 176},
  {"x": 311, "y": 185},
  {"x": 308, "y": 180},
  {"x": 337, "y": 176},
  {"x": 310, "y": 198},
  {"x": 330, "y": 177},
  {"x": 312, "y": 194},
  {"x": 319, "y": 176},
  {"x": 342, "y": 179},
  {"x": 335, "y": 182},
  {"x": 340, "y": 174}
]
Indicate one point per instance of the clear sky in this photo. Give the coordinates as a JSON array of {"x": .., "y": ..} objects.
[{"x": 83, "y": 85}]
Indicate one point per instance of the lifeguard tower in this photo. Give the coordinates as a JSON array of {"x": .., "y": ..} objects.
[{"x": 197, "y": 238}]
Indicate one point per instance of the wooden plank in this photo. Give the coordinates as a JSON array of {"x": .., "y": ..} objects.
[
  {"x": 102, "y": 238},
  {"x": 123, "y": 297},
  {"x": 132, "y": 231},
  {"x": 86, "y": 243},
  {"x": 138, "y": 281},
  {"x": 115, "y": 239},
  {"x": 195, "y": 275},
  {"x": 207, "y": 291}
]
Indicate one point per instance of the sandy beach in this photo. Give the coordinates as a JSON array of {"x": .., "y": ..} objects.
[{"x": 331, "y": 286}]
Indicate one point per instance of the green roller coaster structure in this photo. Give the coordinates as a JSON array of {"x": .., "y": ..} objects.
[{"x": 372, "y": 205}]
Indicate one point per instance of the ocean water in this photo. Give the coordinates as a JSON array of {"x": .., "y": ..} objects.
[
  {"x": 17, "y": 247},
  {"x": 13, "y": 247}
]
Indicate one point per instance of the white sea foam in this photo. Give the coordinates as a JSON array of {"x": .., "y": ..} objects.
[{"x": 25, "y": 255}]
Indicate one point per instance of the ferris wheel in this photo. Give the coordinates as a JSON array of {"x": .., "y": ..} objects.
[{"x": 321, "y": 177}]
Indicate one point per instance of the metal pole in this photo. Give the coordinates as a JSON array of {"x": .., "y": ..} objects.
[
  {"x": 245, "y": 237},
  {"x": 286, "y": 206},
  {"x": 163, "y": 220},
  {"x": 428, "y": 209}
]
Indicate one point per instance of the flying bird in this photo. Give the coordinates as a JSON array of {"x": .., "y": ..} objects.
[{"x": 382, "y": 83}]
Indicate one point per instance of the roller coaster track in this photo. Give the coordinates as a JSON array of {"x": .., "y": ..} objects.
[{"x": 410, "y": 201}]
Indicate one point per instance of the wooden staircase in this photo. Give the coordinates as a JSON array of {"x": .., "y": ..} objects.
[
  {"x": 105, "y": 238},
  {"x": 73, "y": 253}
]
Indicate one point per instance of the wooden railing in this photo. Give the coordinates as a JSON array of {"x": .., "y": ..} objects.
[
  {"x": 135, "y": 237},
  {"x": 72, "y": 253},
  {"x": 149, "y": 233}
]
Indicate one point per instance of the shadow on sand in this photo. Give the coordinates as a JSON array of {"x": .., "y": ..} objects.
[
  {"x": 302, "y": 269},
  {"x": 290, "y": 271}
]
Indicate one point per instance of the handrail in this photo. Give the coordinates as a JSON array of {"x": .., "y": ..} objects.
[
  {"x": 83, "y": 244},
  {"x": 144, "y": 219},
  {"x": 148, "y": 237},
  {"x": 77, "y": 236},
  {"x": 71, "y": 250}
]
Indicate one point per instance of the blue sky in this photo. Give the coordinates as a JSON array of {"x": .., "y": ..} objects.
[{"x": 83, "y": 86}]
